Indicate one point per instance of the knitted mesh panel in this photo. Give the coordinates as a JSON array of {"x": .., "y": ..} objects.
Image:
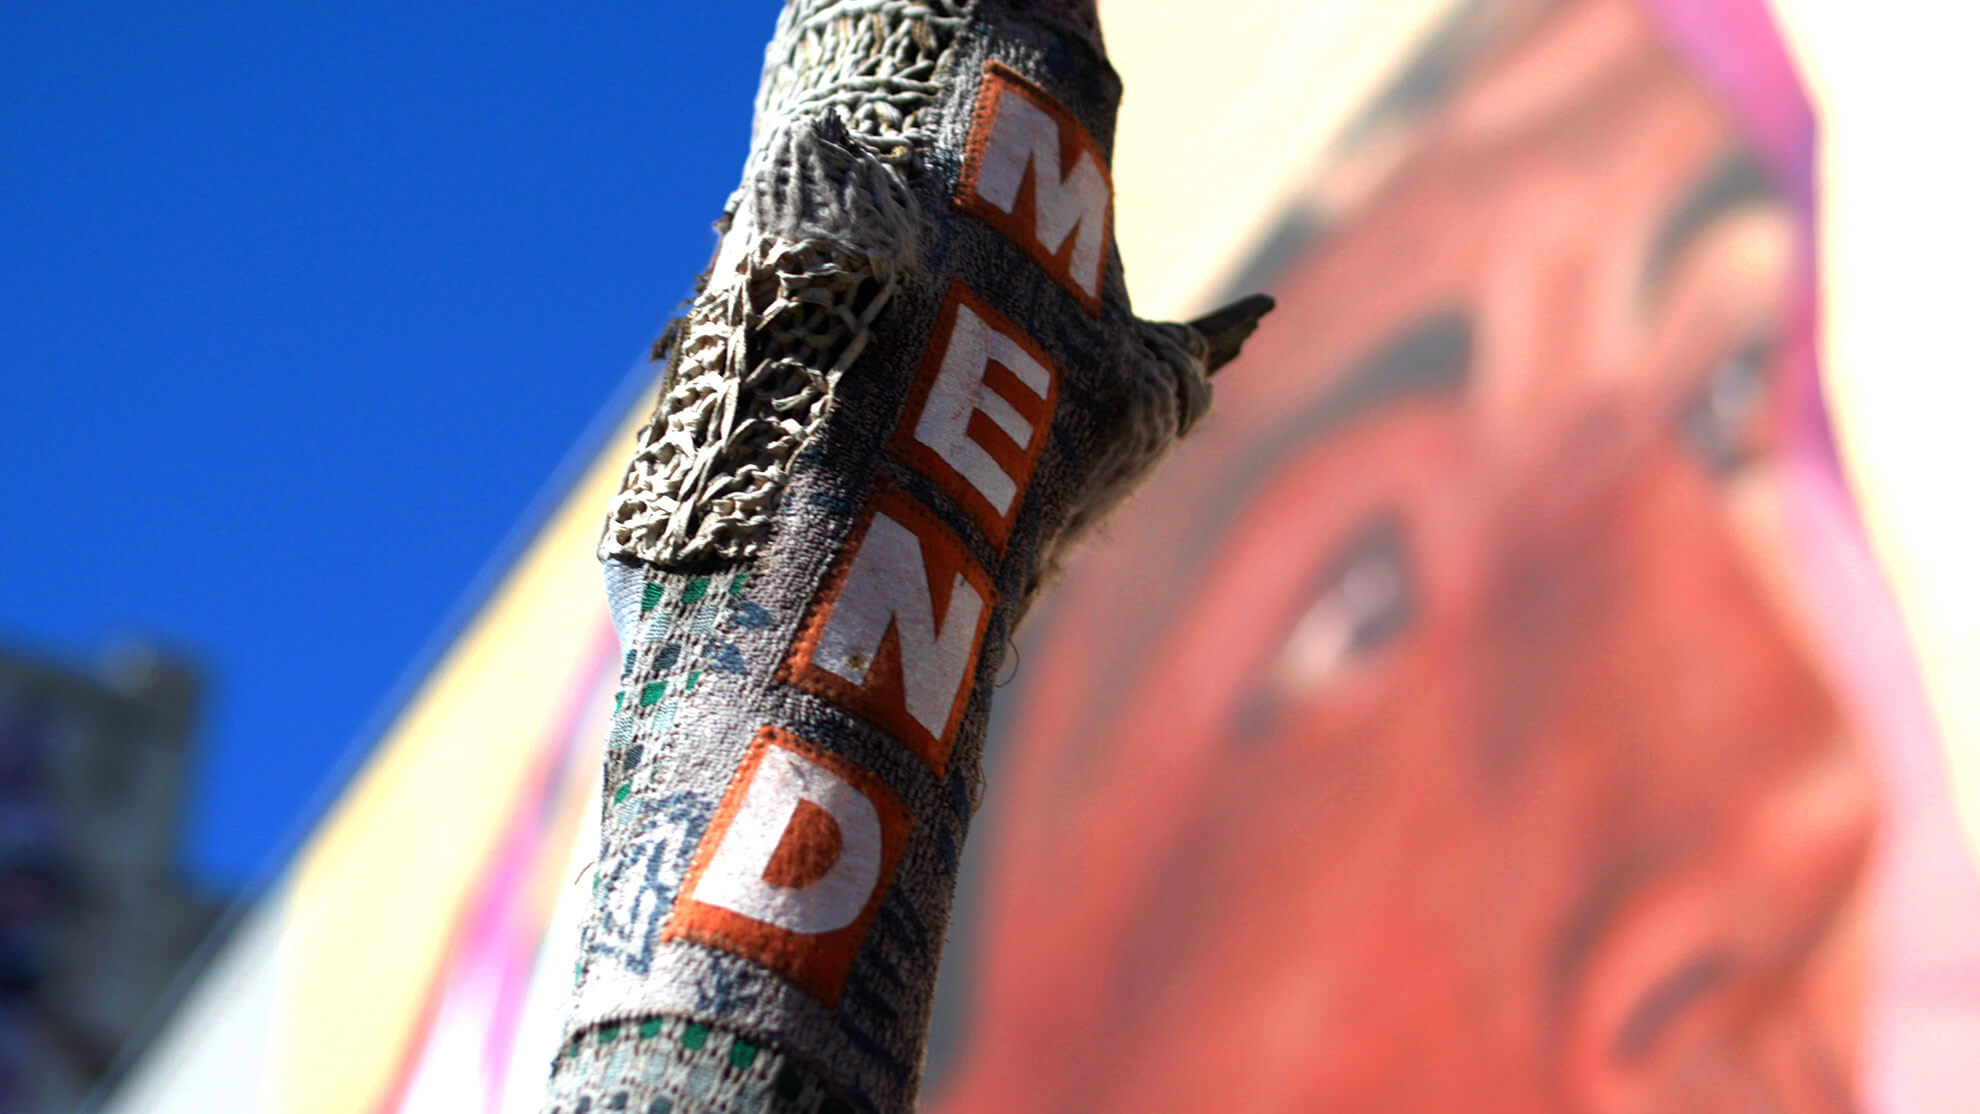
[
  {"x": 872, "y": 64},
  {"x": 810, "y": 259}
]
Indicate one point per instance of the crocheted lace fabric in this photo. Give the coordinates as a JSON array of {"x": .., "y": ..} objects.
[{"x": 812, "y": 250}]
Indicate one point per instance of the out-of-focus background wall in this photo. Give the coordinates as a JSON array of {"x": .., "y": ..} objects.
[
  {"x": 1509, "y": 695},
  {"x": 1476, "y": 208},
  {"x": 1895, "y": 238},
  {"x": 1892, "y": 235}
]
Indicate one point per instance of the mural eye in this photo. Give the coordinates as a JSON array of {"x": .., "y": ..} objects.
[
  {"x": 1722, "y": 422},
  {"x": 1662, "y": 1009},
  {"x": 1366, "y": 598}
]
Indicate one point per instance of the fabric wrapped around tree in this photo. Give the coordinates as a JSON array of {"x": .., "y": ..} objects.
[{"x": 909, "y": 380}]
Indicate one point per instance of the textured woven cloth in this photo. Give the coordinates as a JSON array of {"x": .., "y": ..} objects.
[{"x": 909, "y": 379}]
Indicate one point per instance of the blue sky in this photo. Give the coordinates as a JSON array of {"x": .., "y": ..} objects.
[{"x": 302, "y": 304}]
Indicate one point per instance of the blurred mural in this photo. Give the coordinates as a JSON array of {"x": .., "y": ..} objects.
[
  {"x": 1448, "y": 730},
  {"x": 1478, "y": 714},
  {"x": 1493, "y": 706},
  {"x": 95, "y": 918}
]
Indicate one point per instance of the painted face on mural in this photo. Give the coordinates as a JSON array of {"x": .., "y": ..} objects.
[{"x": 1469, "y": 753}]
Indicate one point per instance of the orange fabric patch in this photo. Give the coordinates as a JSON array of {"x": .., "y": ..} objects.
[
  {"x": 810, "y": 845},
  {"x": 975, "y": 424},
  {"x": 1032, "y": 172},
  {"x": 794, "y": 864},
  {"x": 895, "y": 631}
]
